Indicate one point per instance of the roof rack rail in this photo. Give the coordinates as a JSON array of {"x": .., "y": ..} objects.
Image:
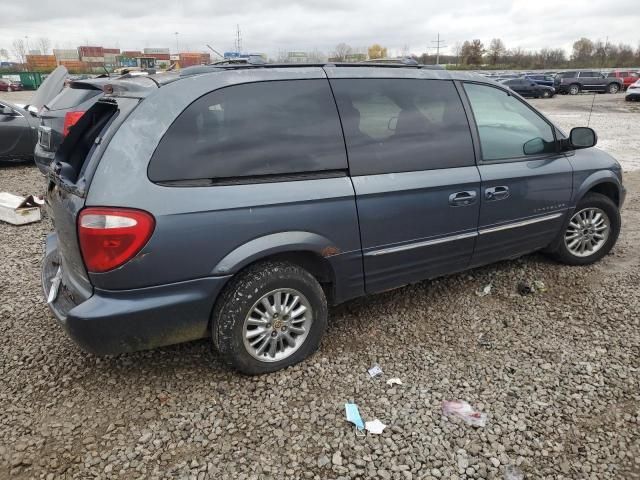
[{"x": 238, "y": 65}]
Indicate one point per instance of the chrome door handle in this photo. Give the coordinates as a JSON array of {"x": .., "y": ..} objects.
[
  {"x": 497, "y": 193},
  {"x": 462, "y": 199}
]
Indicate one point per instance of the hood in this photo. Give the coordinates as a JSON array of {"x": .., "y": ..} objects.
[{"x": 51, "y": 87}]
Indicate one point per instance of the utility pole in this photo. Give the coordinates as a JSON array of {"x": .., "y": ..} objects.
[
  {"x": 238, "y": 40},
  {"x": 438, "y": 46},
  {"x": 177, "y": 47}
]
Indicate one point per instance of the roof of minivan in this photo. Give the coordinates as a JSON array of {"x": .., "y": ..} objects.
[{"x": 141, "y": 86}]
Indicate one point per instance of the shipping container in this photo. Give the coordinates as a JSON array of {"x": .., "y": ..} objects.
[
  {"x": 75, "y": 66},
  {"x": 132, "y": 53},
  {"x": 113, "y": 51},
  {"x": 41, "y": 62},
  {"x": 65, "y": 54},
  {"x": 158, "y": 56},
  {"x": 189, "y": 59},
  {"x": 124, "y": 61},
  {"x": 156, "y": 51},
  {"x": 86, "y": 51},
  {"x": 92, "y": 59}
]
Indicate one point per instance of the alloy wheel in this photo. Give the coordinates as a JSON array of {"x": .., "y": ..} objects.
[
  {"x": 587, "y": 232},
  {"x": 277, "y": 325}
]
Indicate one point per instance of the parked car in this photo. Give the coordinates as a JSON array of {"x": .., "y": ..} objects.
[
  {"x": 17, "y": 133},
  {"x": 10, "y": 85},
  {"x": 529, "y": 88},
  {"x": 546, "y": 80},
  {"x": 578, "y": 81},
  {"x": 19, "y": 123},
  {"x": 633, "y": 92},
  {"x": 61, "y": 113},
  {"x": 237, "y": 204},
  {"x": 628, "y": 77}
]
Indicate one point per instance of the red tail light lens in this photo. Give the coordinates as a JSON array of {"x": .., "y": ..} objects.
[
  {"x": 70, "y": 119},
  {"x": 110, "y": 237}
]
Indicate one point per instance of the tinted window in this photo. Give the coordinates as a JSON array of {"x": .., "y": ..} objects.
[
  {"x": 589, "y": 74},
  {"x": 400, "y": 125},
  {"x": 252, "y": 129},
  {"x": 567, "y": 75},
  {"x": 507, "y": 127}
]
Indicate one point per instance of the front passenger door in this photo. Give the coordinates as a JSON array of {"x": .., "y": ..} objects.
[{"x": 526, "y": 181}]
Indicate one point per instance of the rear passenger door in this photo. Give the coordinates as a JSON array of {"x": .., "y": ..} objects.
[
  {"x": 526, "y": 181},
  {"x": 592, "y": 80},
  {"x": 411, "y": 160}
]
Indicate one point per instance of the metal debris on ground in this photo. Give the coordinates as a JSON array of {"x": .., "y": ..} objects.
[
  {"x": 394, "y": 381},
  {"x": 375, "y": 371},
  {"x": 485, "y": 291},
  {"x": 527, "y": 288},
  {"x": 463, "y": 410},
  {"x": 513, "y": 473},
  {"x": 485, "y": 340},
  {"x": 376, "y": 427},
  {"x": 353, "y": 416}
]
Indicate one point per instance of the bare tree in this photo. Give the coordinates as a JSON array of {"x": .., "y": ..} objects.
[
  {"x": 20, "y": 50},
  {"x": 4, "y": 54},
  {"x": 457, "y": 48},
  {"x": 341, "y": 51},
  {"x": 44, "y": 44},
  {"x": 496, "y": 51}
]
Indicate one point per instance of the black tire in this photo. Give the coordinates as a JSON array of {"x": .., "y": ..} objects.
[
  {"x": 604, "y": 203},
  {"x": 237, "y": 301},
  {"x": 613, "y": 88},
  {"x": 574, "y": 89},
  {"x": 546, "y": 94}
]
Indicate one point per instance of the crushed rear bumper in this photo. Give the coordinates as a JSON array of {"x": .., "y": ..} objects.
[{"x": 111, "y": 322}]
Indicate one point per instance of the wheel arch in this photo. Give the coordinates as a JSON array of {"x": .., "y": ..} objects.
[
  {"x": 306, "y": 249},
  {"x": 604, "y": 182}
]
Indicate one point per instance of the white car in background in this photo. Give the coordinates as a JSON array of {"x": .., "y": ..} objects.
[{"x": 633, "y": 91}]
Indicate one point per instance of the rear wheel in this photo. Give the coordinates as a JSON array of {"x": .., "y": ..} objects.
[
  {"x": 613, "y": 88},
  {"x": 546, "y": 94},
  {"x": 9, "y": 89},
  {"x": 574, "y": 89},
  {"x": 591, "y": 233},
  {"x": 271, "y": 316}
]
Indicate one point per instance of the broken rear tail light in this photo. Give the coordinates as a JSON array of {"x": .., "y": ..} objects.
[
  {"x": 70, "y": 119},
  {"x": 110, "y": 237}
]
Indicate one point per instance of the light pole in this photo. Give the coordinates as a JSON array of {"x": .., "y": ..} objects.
[{"x": 177, "y": 47}]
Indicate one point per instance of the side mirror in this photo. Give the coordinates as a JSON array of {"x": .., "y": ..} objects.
[
  {"x": 582, "y": 137},
  {"x": 6, "y": 110},
  {"x": 533, "y": 146}
]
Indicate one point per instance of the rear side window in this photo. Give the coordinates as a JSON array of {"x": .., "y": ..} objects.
[
  {"x": 401, "y": 125},
  {"x": 254, "y": 129}
]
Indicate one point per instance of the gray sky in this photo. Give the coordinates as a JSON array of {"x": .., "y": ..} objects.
[{"x": 272, "y": 25}]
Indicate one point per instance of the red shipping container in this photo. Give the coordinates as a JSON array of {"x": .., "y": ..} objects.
[
  {"x": 132, "y": 53},
  {"x": 158, "y": 56},
  {"x": 87, "y": 51},
  {"x": 111, "y": 50}
]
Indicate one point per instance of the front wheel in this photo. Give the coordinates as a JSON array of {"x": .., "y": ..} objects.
[
  {"x": 9, "y": 89},
  {"x": 546, "y": 94},
  {"x": 613, "y": 88},
  {"x": 271, "y": 316},
  {"x": 574, "y": 89},
  {"x": 591, "y": 232}
]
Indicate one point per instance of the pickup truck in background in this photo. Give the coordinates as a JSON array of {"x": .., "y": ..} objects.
[{"x": 576, "y": 81}]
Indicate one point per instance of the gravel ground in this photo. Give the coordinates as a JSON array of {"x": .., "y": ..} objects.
[{"x": 556, "y": 372}]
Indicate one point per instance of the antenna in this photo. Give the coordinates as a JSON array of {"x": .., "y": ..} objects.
[{"x": 438, "y": 46}]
